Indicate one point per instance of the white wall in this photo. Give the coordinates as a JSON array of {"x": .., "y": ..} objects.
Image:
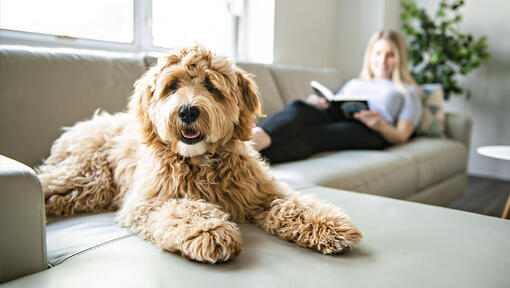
[
  {"x": 330, "y": 33},
  {"x": 489, "y": 105},
  {"x": 306, "y": 32},
  {"x": 358, "y": 20}
]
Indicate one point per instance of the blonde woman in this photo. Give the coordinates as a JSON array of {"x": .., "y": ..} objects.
[{"x": 303, "y": 128}]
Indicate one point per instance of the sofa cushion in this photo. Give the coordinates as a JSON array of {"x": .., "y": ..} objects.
[
  {"x": 435, "y": 159},
  {"x": 43, "y": 90},
  {"x": 367, "y": 171},
  {"x": 442, "y": 193},
  {"x": 294, "y": 82},
  {"x": 272, "y": 101},
  {"x": 69, "y": 236}
]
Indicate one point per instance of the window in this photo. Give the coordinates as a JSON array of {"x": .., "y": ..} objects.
[
  {"x": 242, "y": 29},
  {"x": 174, "y": 24},
  {"x": 110, "y": 20}
]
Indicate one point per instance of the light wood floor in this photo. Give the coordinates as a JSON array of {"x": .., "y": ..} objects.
[{"x": 483, "y": 196}]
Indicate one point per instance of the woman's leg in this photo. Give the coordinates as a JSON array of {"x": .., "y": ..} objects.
[
  {"x": 291, "y": 120},
  {"x": 343, "y": 135},
  {"x": 340, "y": 135}
]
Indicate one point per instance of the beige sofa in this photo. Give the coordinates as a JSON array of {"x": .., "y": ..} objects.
[{"x": 42, "y": 90}]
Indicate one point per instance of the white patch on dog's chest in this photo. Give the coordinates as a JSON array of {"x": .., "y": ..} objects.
[{"x": 186, "y": 150}]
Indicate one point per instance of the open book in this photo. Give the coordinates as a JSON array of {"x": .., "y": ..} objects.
[{"x": 348, "y": 104}]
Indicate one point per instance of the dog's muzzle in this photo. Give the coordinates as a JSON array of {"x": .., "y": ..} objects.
[{"x": 188, "y": 114}]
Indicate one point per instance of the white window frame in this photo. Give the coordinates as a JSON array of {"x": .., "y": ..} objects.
[
  {"x": 142, "y": 42},
  {"x": 142, "y": 36}
]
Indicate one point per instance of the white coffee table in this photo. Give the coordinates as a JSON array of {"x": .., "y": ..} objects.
[{"x": 498, "y": 152}]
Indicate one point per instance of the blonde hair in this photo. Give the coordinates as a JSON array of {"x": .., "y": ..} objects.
[{"x": 400, "y": 74}]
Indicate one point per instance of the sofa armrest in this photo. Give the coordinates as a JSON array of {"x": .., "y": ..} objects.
[
  {"x": 22, "y": 221},
  {"x": 458, "y": 127}
]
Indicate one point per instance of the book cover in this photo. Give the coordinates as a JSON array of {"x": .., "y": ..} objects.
[{"x": 348, "y": 104}]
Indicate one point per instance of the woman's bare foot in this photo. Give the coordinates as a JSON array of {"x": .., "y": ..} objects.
[{"x": 261, "y": 140}]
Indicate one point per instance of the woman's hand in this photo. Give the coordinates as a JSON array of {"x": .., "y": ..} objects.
[
  {"x": 371, "y": 119},
  {"x": 318, "y": 101},
  {"x": 396, "y": 135}
]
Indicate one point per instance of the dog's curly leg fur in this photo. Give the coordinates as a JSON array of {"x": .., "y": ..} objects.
[
  {"x": 77, "y": 177},
  {"x": 310, "y": 223},
  {"x": 79, "y": 183},
  {"x": 197, "y": 229}
]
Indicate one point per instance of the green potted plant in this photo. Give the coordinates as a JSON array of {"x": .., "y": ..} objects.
[{"x": 438, "y": 50}]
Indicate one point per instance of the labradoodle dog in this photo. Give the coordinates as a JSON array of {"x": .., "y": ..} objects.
[{"x": 180, "y": 168}]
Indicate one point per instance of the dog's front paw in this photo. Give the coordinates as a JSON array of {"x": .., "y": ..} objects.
[
  {"x": 334, "y": 238},
  {"x": 312, "y": 224},
  {"x": 213, "y": 244}
]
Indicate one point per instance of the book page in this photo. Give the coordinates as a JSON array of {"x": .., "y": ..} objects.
[
  {"x": 322, "y": 90},
  {"x": 349, "y": 97}
]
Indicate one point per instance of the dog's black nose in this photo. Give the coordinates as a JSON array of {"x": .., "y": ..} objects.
[{"x": 188, "y": 114}]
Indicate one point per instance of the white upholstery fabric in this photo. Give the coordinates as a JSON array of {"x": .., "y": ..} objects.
[
  {"x": 67, "y": 238},
  {"x": 22, "y": 233},
  {"x": 405, "y": 245}
]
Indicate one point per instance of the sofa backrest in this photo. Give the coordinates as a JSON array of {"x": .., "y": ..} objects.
[
  {"x": 294, "y": 81},
  {"x": 279, "y": 84},
  {"x": 271, "y": 98},
  {"x": 43, "y": 90}
]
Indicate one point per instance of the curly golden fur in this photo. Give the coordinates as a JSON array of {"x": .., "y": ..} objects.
[{"x": 180, "y": 169}]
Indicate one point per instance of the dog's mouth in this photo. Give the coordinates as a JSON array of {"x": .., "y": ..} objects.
[{"x": 190, "y": 136}]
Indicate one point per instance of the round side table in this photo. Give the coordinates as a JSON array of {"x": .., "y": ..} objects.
[{"x": 498, "y": 152}]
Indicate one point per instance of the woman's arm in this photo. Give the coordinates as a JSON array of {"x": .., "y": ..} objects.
[{"x": 395, "y": 135}]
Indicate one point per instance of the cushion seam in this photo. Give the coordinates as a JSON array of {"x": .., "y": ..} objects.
[{"x": 91, "y": 248}]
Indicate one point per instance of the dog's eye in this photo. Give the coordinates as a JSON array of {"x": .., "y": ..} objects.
[
  {"x": 210, "y": 87},
  {"x": 172, "y": 87}
]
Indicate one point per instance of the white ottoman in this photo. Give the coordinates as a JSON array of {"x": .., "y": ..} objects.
[{"x": 406, "y": 245}]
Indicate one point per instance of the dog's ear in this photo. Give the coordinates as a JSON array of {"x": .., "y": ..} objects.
[
  {"x": 249, "y": 104},
  {"x": 139, "y": 103}
]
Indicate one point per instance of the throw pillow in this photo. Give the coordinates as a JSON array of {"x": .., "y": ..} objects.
[{"x": 433, "y": 117}]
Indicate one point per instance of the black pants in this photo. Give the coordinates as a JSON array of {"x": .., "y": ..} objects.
[{"x": 301, "y": 129}]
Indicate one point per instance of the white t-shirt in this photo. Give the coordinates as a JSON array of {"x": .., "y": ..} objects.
[{"x": 387, "y": 100}]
